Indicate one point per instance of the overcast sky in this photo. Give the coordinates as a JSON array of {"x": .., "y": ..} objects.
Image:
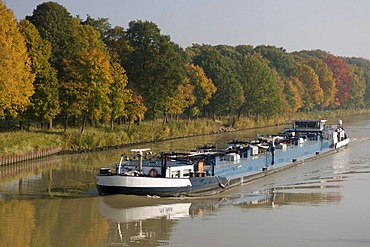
[{"x": 341, "y": 27}]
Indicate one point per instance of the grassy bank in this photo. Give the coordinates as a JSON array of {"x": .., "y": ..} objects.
[{"x": 96, "y": 138}]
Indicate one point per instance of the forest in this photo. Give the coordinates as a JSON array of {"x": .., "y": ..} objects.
[{"x": 57, "y": 69}]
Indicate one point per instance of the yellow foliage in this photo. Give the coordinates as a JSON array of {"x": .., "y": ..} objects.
[{"x": 15, "y": 70}]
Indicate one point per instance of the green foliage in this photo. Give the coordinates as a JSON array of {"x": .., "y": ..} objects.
[
  {"x": 45, "y": 101},
  {"x": 221, "y": 70},
  {"x": 364, "y": 64},
  {"x": 101, "y": 25},
  {"x": 283, "y": 62},
  {"x": 155, "y": 67},
  {"x": 358, "y": 87},
  {"x": 119, "y": 94},
  {"x": 56, "y": 25},
  {"x": 260, "y": 86}
]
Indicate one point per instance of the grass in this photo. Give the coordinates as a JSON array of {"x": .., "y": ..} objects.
[
  {"x": 94, "y": 138},
  {"x": 24, "y": 142}
]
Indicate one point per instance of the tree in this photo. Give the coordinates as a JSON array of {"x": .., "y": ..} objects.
[
  {"x": 244, "y": 50},
  {"x": 115, "y": 38},
  {"x": 358, "y": 87},
  {"x": 203, "y": 87},
  {"x": 281, "y": 61},
  {"x": 155, "y": 68},
  {"x": 294, "y": 92},
  {"x": 101, "y": 25},
  {"x": 313, "y": 94},
  {"x": 183, "y": 99},
  {"x": 86, "y": 86},
  {"x": 86, "y": 80},
  {"x": 45, "y": 101},
  {"x": 320, "y": 54},
  {"x": 15, "y": 67},
  {"x": 229, "y": 95},
  {"x": 364, "y": 64},
  {"x": 326, "y": 80},
  {"x": 135, "y": 108},
  {"x": 342, "y": 78},
  {"x": 119, "y": 94},
  {"x": 117, "y": 42},
  {"x": 56, "y": 25},
  {"x": 260, "y": 86}
]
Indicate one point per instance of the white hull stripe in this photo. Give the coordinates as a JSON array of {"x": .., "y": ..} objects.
[{"x": 142, "y": 182}]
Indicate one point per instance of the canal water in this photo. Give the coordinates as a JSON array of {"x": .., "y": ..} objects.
[{"x": 325, "y": 202}]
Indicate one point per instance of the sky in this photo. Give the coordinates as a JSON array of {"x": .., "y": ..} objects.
[{"x": 341, "y": 27}]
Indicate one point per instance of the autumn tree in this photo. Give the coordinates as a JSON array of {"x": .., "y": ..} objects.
[
  {"x": 203, "y": 88},
  {"x": 326, "y": 80},
  {"x": 342, "y": 78},
  {"x": 86, "y": 86},
  {"x": 294, "y": 90},
  {"x": 135, "y": 107},
  {"x": 15, "y": 67},
  {"x": 45, "y": 101},
  {"x": 183, "y": 99},
  {"x": 87, "y": 78},
  {"x": 313, "y": 95}
]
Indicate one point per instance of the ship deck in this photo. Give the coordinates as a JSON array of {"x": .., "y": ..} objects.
[{"x": 255, "y": 164}]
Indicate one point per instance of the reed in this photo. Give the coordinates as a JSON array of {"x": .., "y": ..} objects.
[{"x": 149, "y": 131}]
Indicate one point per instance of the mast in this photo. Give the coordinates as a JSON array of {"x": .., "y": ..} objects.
[{"x": 140, "y": 156}]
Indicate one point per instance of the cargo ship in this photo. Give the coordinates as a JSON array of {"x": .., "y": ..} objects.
[{"x": 208, "y": 171}]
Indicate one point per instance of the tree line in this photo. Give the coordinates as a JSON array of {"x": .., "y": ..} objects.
[{"x": 56, "y": 67}]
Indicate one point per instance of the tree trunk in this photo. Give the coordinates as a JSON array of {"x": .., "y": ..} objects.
[
  {"x": 28, "y": 125},
  {"x": 239, "y": 113},
  {"x": 111, "y": 125},
  {"x": 83, "y": 124},
  {"x": 65, "y": 124},
  {"x": 50, "y": 124},
  {"x": 165, "y": 118}
]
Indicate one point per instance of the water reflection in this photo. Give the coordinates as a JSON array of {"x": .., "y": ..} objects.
[
  {"x": 148, "y": 221},
  {"x": 55, "y": 176}
]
